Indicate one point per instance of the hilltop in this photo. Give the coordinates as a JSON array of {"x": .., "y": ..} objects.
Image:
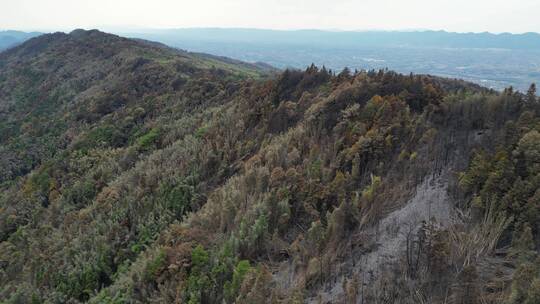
[{"x": 134, "y": 173}]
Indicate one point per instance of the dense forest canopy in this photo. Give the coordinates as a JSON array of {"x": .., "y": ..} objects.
[{"x": 134, "y": 173}]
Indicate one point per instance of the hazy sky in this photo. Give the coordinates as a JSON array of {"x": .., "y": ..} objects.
[{"x": 452, "y": 15}]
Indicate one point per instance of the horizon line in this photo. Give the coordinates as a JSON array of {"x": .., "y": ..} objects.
[{"x": 136, "y": 29}]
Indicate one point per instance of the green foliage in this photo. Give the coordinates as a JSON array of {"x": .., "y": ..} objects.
[
  {"x": 509, "y": 179},
  {"x": 104, "y": 136},
  {"x": 528, "y": 150},
  {"x": 155, "y": 265},
  {"x": 149, "y": 139},
  {"x": 39, "y": 183},
  {"x": 201, "y": 131},
  {"x": 81, "y": 193},
  {"x": 260, "y": 228},
  {"x": 83, "y": 279},
  {"x": 198, "y": 282},
  {"x": 199, "y": 258},
  {"x": 81, "y": 284},
  {"x": 231, "y": 288},
  {"x": 476, "y": 174},
  {"x": 177, "y": 198},
  {"x": 315, "y": 169},
  {"x": 105, "y": 299},
  {"x": 370, "y": 190},
  {"x": 317, "y": 235},
  {"x": 500, "y": 180}
]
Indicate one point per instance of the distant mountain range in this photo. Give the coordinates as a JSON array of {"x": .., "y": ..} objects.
[
  {"x": 12, "y": 38},
  {"x": 333, "y": 39}
]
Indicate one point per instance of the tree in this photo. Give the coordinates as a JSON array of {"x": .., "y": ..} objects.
[
  {"x": 529, "y": 149},
  {"x": 317, "y": 239},
  {"x": 344, "y": 74},
  {"x": 231, "y": 288},
  {"x": 531, "y": 94},
  {"x": 198, "y": 282}
]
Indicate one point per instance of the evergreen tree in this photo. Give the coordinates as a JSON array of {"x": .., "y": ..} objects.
[{"x": 531, "y": 94}]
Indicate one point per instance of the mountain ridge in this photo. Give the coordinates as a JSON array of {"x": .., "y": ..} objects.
[
  {"x": 10, "y": 38},
  {"x": 340, "y": 38}
]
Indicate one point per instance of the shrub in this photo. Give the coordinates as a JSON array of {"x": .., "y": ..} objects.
[
  {"x": 149, "y": 139},
  {"x": 198, "y": 283},
  {"x": 154, "y": 266}
]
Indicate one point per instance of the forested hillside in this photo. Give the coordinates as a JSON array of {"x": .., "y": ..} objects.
[{"x": 134, "y": 173}]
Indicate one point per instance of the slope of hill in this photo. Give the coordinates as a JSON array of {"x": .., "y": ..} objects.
[
  {"x": 133, "y": 173},
  {"x": 493, "y": 60},
  {"x": 12, "y": 38}
]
